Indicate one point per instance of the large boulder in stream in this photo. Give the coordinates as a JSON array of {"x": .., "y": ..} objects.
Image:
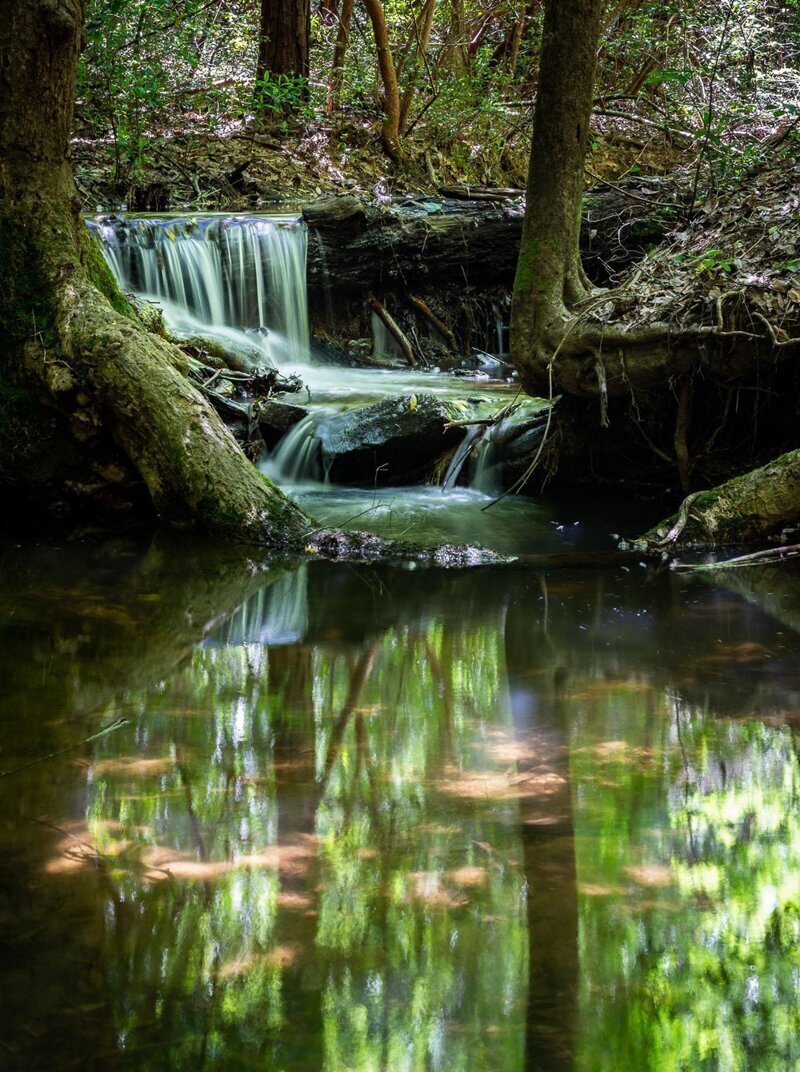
[{"x": 395, "y": 441}]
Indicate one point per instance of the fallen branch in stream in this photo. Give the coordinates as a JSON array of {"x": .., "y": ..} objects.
[
  {"x": 434, "y": 321},
  {"x": 767, "y": 557},
  {"x": 487, "y": 422},
  {"x": 393, "y": 328}
]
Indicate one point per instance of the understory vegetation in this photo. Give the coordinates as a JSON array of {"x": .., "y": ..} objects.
[{"x": 169, "y": 106}]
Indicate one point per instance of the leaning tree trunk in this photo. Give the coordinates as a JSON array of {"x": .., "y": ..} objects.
[
  {"x": 745, "y": 510},
  {"x": 549, "y": 276},
  {"x": 69, "y": 338}
]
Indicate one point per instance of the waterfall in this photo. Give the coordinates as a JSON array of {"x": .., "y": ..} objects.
[
  {"x": 479, "y": 447},
  {"x": 485, "y": 475},
  {"x": 384, "y": 344},
  {"x": 211, "y": 274}
]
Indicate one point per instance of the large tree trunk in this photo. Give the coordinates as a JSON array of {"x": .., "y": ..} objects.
[
  {"x": 283, "y": 43},
  {"x": 67, "y": 334},
  {"x": 549, "y": 276}
]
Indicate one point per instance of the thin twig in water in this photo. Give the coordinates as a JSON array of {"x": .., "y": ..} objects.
[
  {"x": 755, "y": 558},
  {"x": 117, "y": 724}
]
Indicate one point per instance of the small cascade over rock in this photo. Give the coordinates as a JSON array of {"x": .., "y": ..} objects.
[
  {"x": 218, "y": 276},
  {"x": 296, "y": 459}
]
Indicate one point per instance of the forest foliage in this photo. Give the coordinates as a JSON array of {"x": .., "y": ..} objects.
[{"x": 710, "y": 85}]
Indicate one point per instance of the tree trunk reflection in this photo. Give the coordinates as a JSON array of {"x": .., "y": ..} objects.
[{"x": 536, "y": 685}]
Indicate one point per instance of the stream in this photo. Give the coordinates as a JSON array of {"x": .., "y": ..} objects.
[
  {"x": 344, "y": 817},
  {"x": 370, "y": 818}
]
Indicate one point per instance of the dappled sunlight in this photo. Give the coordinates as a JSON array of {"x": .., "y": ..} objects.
[
  {"x": 429, "y": 888},
  {"x": 297, "y": 902},
  {"x": 73, "y": 852},
  {"x": 163, "y": 863},
  {"x": 499, "y": 785},
  {"x": 746, "y": 652},
  {"x": 133, "y": 765},
  {"x": 651, "y": 875},
  {"x": 593, "y": 889},
  {"x": 467, "y": 876}
]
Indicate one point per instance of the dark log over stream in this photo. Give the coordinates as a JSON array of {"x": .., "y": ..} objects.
[{"x": 419, "y": 242}]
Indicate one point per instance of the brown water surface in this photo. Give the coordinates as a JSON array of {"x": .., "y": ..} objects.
[{"x": 387, "y": 820}]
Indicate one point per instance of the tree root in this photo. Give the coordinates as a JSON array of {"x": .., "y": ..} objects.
[
  {"x": 134, "y": 385},
  {"x": 748, "y": 509}
]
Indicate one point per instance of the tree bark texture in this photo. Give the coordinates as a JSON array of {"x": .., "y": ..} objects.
[
  {"x": 283, "y": 43},
  {"x": 69, "y": 338},
  {"x": 549, "y": 277}
]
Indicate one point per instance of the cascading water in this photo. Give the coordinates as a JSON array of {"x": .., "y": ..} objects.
[
  {"x": 460, "y": 455},
  {"x": 218, "y": 276},
  {"x": 296, "y": 459},
  {"x": 241, "y": 282},
  {"x": 478, "y": 448}
]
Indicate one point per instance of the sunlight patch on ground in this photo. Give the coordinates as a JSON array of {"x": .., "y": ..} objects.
[
  {"x": 468, "y": 876},
  {"x": 163, "y": 862},
  {"x": 508, "y": 784},
  {"x": 427, "y": 887}
]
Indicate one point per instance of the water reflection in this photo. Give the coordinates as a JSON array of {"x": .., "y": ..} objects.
[{"x": 363, "y": 818}]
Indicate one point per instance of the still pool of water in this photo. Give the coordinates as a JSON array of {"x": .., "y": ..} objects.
[{"x": 340, "y": 817}]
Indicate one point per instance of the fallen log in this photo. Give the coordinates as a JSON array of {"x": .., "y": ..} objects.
[
  {"x": 418, "y": 242},
  {"x": 393, "y": 328},
  {"x": 746, "y": 510}
]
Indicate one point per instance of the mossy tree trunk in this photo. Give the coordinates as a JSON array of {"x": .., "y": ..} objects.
[
  {"x": 742, "y": 511},
  {"x": 69, "y": 338},
  {"x": 550, "y": 280}
]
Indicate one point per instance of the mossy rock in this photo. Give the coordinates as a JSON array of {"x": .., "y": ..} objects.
[{"x": 395, "y": 441}]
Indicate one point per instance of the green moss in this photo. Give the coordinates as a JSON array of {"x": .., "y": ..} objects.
[
  {"x": 535, "y": 269},
  {"x": 25, "y": 306},
  {"x": 706, "y": 498},
  {"x": 101, "y": 277},
  {"x": 526, "y": 268}
]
